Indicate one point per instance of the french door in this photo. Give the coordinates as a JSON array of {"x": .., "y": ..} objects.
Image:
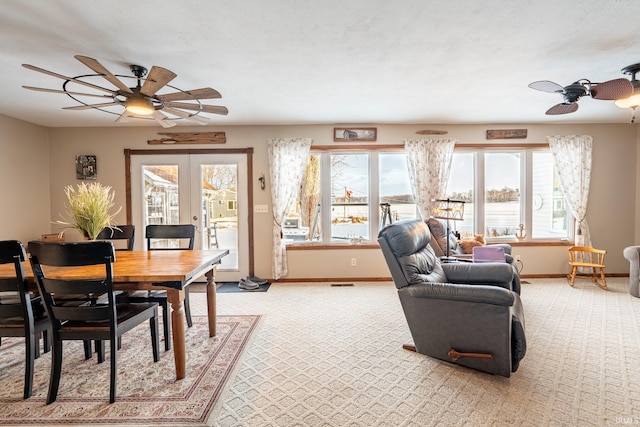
[{"x": 209, "y": 191}]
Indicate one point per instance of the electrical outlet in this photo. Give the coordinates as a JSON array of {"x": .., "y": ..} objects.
[
  {"x": 517, "y": 258},
  {"x": 353, "y": 262}
]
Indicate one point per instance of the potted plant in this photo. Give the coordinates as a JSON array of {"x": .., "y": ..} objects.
[{"x": 89, "y": 209}]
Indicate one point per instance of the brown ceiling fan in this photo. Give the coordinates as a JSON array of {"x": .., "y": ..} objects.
[
  {"x": 141, "y": 101},
  {"x": 611, "y": 90}
]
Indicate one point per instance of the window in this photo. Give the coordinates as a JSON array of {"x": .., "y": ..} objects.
[
  {"x": 368, "y": 189},
  {"x": 506, "y": 189},
  {"x": 503, "y": 189}
]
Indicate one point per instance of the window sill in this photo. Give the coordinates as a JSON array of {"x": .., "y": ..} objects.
[
  {"x": 324, "y": 246},
  {"x": 314, "y": 246},
  {"x": 542, "y": 243}
]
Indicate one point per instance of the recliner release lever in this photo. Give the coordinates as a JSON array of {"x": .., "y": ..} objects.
[{"x": 455, "y": 355}]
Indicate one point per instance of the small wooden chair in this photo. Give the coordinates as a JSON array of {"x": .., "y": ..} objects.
[{"x": 588, "y": 258}]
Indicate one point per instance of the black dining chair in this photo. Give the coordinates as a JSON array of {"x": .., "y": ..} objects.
[
  {"x": 167, "y": 237},
  {"x": 119, "y": 233},
  {"x": 21, "y": 312},
  {"x": 73, "y": 310}
]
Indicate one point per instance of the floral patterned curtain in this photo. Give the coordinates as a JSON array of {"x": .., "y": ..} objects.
[
  {"x": 429, "y": 163},
  {"x": 572, "y": 159},
  {"x": 287, "y": 160}
]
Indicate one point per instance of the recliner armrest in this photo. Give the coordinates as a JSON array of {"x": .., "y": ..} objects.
[
  {"x": 490, "y": 273},
  {"x": 459, "y": 292}
]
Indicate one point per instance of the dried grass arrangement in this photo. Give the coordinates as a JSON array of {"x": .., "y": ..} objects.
[{"x": 89, "y": 209}]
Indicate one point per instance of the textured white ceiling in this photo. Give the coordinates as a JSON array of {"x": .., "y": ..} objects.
[{"x": 329, "y": 61}]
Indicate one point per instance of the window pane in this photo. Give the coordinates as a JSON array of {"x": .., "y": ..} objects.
[
  {"x": 460, "y": 187},
  {"x": 396, "y": 198},
  {"x": 502, "y": 194},
  {"x": 349, "y": 196},
  {"x": 303, "y": 219},
  {"x": 549, "y": 211}
]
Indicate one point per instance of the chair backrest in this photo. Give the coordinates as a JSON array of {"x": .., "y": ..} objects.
[
  {"x": 88, "y": 274},
  {"x": 586, "y": 254},
  {"x": 405, "y": 246},
  {"x": 439, "y": 240},
  {"x": 15, "y": 301},
  {"x": 488, "y": 254},
  {"x": 119, "y": 232},
  {"x": 168, "y": 232}
]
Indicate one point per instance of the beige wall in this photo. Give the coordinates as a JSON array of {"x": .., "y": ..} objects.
[
  {"x": 612, "y": 212},
  {"x": 24, "y": 180}
]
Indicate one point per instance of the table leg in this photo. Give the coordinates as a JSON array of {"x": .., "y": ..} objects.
[
  {"x": 175, "y": 298},
  {"x": 211, "y": 302}
]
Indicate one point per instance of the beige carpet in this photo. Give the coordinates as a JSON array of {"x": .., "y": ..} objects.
[
  {"x": 332, "y": 356},
  {"x": 147, "y": 392}
]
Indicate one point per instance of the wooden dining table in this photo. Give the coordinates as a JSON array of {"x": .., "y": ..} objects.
[{"x": 151, "y": 270}]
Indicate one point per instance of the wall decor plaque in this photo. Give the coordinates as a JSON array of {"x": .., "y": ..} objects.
[
  {"x": 190, "y": 138},
  {"x": 507, "y": 134}
]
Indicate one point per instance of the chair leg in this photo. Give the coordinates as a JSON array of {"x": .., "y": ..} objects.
[
  {"x": 572, "y": 275},
  {"x": 166, "y": 325},
  {"x": 46, "y": 342},
  {"x": 114, "y": 370},
  {"x": 604, "y": 279},
  {"x": 87, "y": 349},
  {"x": 155, "y": 339},
  {"x": 56, "y": 370},
  {"x": 31, "y": 342},
  {"x": 100, "y": 350},
  {"x": 187, "y": 307}
]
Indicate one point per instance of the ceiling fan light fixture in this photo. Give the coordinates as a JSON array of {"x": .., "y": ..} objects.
[
  {"x": 139, "y": 105},
  {"x": 634, "y": 100}
]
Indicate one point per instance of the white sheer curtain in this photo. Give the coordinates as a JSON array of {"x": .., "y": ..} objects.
[
  {"x": 572, "y": 158},
  {"x": 429, "y": 163},
  {"x": 287, "y": 160}
]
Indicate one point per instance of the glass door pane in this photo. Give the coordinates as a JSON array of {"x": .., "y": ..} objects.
[
  {"x": 220, "y": 210},
  {"x": 219, "y": 195}
]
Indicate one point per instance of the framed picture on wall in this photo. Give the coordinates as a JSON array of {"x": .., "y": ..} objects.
[
  {"x": 354, "y": 134},
  {"x": 86, "y": 166}
]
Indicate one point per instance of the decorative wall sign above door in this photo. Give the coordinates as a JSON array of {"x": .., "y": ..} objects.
[{"x": 190, "y": 138}]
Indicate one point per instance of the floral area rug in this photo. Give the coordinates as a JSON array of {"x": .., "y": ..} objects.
[{"x": 147, "y": 393}]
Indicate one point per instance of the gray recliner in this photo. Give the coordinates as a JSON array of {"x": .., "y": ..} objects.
[
  {"x": 632, "y": 254},
  {"x": 438, "y": 242},
  {"x": 462, "y": 313}
]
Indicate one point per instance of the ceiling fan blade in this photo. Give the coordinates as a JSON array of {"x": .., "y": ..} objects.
[
  {"x": 99, "y": 68},
  {"x": 87, "y": 107},
  {"x": 204, "y": 93},
  {"x": 157, "y": 78},
  {"x": 546, "y": 86},
  {"x": 163, "y": 120},
  {"x": 41, "y": 89},
  {"x": 562, "y": 109},
  {"x": 124, "y": 117},
  {"x": 214, "y": 109},
  {"x": 612, "y": 90},
  {"x": 183, "y": 114},
  {"x": 73, "y": 79}
]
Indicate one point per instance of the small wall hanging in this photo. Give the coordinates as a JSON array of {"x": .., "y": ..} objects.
[{"x": 86, "y": 166}]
